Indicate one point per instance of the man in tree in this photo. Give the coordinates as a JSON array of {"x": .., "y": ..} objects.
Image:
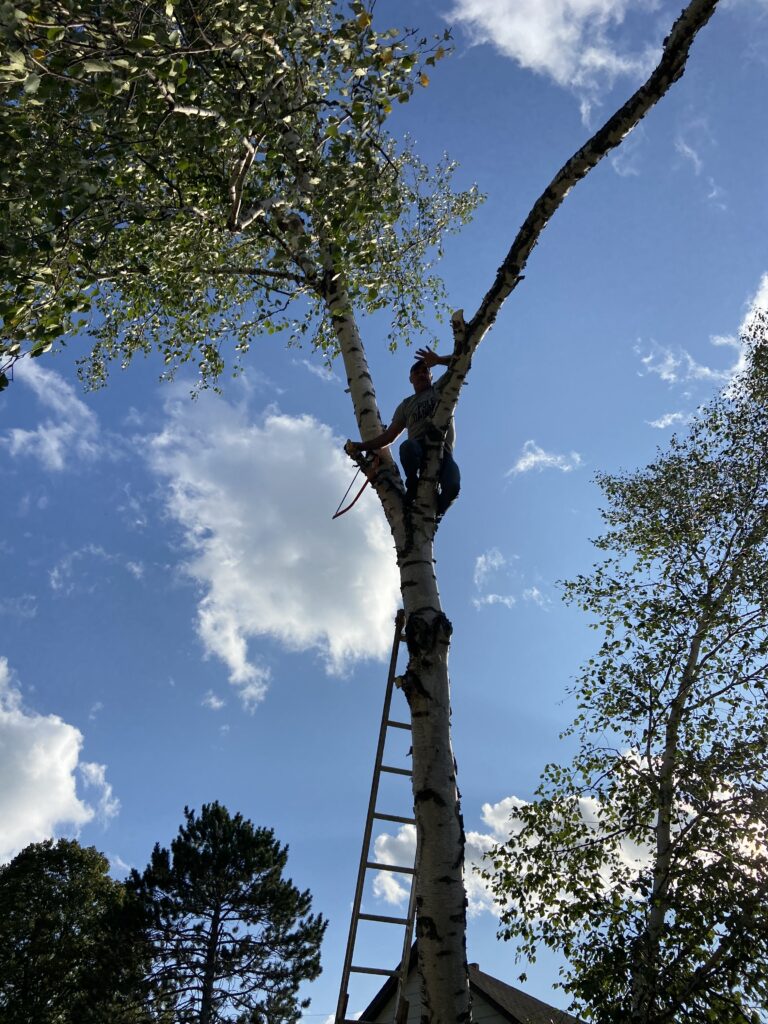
[
  {"x": 415, "y": 414},
  {"x": 232, "y": 938}
]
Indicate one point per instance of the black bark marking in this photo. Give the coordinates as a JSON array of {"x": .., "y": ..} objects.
[
  {"x": 423, "y": 633},
  {"x": 412, "y": 687},
  {"x": 428, "y": 794},
  {"x": 425, "y": 929}
]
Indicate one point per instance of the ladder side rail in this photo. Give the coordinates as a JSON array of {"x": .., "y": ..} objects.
[
  {"x": 401, "y": 1004},
  {"x": 341, "y": 1009}
]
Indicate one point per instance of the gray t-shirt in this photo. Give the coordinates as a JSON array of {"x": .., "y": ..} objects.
[{"x": 414, "y": 411}]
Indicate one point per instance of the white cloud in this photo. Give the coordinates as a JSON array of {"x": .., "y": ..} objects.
[
  {"x": 759, "y": 301},
  {"x": 95, "y": 777},
  {"x": 668, "y": 419},
  {"x": 401, "y": 849},
  {"x": 324, "y": 373},
  {"x": 534, "y": 457},
  {"x": 70, "y": 433},
  {"x": 691, "y": 142},
  {"x": 39, "y": 765},
  {"x": 689, "y": 153},
  {"x": 118, "y": 865},
  {"x": 24, "y": 606},
  {"x": 487, "y": 563},
  {"x": 72, "y": 573},
  {"x": 678, "y": 366},
  {"x": 254, "y": 500},
  {"x": 660, "y": 361},
  {"x": 534, "y": 596},
  {"x": 508, "y": 600},
  {"x": 501, "y": 820},
  {"x": 210, "y": 700},
  {"x": 574, "y": 42},
  {"x": 490, "y": 568},
  {"x": 62, "y": 577},
  {"x": 626, "y": 159},
  {"x": 398, "y": 850}
]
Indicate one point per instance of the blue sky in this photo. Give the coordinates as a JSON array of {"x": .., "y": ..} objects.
[{"x": 181, "y": 620}]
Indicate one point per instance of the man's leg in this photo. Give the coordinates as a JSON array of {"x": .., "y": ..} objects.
[
  {"x": 411, "y": 454},
  {"x": 450, "y": 484}
]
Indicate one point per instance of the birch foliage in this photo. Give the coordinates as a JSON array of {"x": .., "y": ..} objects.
[
  {"x": 645, "y": 860},
  {"x": 185, "y": 175}
]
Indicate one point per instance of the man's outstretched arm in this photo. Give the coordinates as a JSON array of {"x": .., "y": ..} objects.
[{"x": 386, "y": 437}]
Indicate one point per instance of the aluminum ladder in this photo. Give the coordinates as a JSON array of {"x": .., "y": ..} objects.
[{"x": 366, "y": 864}]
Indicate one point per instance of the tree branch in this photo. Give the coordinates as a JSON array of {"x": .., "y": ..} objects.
[{"x": 669, "y": 69}]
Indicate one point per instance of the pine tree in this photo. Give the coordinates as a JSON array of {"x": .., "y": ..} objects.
[{"x": 232, "y": 938}]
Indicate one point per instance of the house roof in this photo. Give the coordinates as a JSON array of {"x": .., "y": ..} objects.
[{"x": 512, "y": 1004}]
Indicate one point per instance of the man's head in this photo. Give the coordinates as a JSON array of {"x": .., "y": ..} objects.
[{"x": 420, "y": 376}]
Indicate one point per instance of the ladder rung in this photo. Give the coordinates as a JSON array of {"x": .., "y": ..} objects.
[
  {"x": 398, "y": 725},
  {"x": 372, "y": 970},
  {"x": 396, "y": 771},
  {"x": 382, "y": 918},
  {"x": 390, "y": 867},
  {"x": 395, "y": 817}
]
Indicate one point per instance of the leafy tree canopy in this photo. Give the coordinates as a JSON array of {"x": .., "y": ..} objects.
[
  {"x": 71, "y": 946},
  {"x": 233, "y": 939},
  {"x": 186, "y": 174},
  {"x": 645, "y": 860}
]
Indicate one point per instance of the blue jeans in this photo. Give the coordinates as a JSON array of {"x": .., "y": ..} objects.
[{"x": 449, "y": 478}]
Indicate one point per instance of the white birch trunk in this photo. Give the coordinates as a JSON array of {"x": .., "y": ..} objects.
[{"x": 440, "y": 894}]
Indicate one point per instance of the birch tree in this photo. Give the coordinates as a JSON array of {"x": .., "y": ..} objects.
[
  {"x": 225, "y": 171},
  {"x": 644, "y": 860}
]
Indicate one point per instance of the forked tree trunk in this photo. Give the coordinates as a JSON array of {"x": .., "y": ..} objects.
[{"x": 441, "y": 901}]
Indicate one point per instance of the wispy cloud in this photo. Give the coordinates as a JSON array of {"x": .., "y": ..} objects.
[
  {"x": 324, "y": 373},
  {"x": 576, "y": 43},
  {"x": 626, "y": 160},
  {"x": 72, "y": 573},
  {"x": 95, "y": 777},
  {"x": 507, "y": 600},
  {"x": 71, "y": 432},
  {"x": 534, "y": 596},
  {"x": 494, "y": 575},
  {"x": 487, "y": 563},
  {"x": 22, "y": 607},
  {"x": 669, "y": 419},
  {"x": 210, "y": 700},
  {"x": 677, "y": 366},
  {"x": 492, "y": 569},
  {"x": 692, "y": 141},
  {"x": 533, "y": 456},
  {"x": 689, "y": 153}
]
